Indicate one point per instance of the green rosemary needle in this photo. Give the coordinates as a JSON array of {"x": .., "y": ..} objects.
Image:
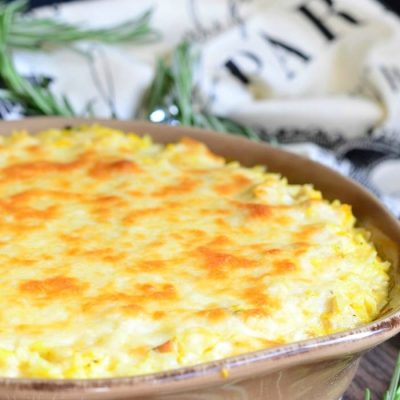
[
  {"x": 173, "y": 96},
  {"x": 30, "y": 32},
  {"x": 24, "y": 31}
]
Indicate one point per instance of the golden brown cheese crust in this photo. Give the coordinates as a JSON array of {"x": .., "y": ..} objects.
[{"x": 119, "y": 256}]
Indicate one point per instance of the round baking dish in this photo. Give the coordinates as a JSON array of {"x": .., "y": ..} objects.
[{"x": 316, "y": 369}]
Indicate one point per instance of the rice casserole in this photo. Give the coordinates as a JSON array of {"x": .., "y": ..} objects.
[{"x": 120, "y": 256}]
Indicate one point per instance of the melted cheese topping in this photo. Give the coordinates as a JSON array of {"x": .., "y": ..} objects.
[{"x": 119, "y": 256}]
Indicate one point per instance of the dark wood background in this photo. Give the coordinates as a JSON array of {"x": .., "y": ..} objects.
[{"x": 375, "y": 371}]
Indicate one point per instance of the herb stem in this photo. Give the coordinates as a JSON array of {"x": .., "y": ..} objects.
[
  {"x": 175, "y": 88},
  {"x": 394, "y": 383},
  {"x": 19, "y": 30}
]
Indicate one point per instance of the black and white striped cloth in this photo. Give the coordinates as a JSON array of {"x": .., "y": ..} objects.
[{"x": 320, "y": 77}]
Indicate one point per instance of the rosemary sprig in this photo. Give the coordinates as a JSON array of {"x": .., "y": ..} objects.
[
  {"x": 173, "y": 96},
  {"x": 19, "y": 30},
  {"x": 30, "y": 32},
  {"x": 35, "y": 99}
]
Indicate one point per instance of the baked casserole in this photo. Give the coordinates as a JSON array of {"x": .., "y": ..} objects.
[{"x": 120, "y": 256}]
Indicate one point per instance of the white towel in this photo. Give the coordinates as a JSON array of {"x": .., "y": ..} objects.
[{"x": 322, "y": 71}]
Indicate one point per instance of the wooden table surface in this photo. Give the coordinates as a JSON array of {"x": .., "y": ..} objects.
[{"x": 375, "y": 371}]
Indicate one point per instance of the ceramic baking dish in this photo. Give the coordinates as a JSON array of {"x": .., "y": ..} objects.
[{"x": 316, "y": 369}]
